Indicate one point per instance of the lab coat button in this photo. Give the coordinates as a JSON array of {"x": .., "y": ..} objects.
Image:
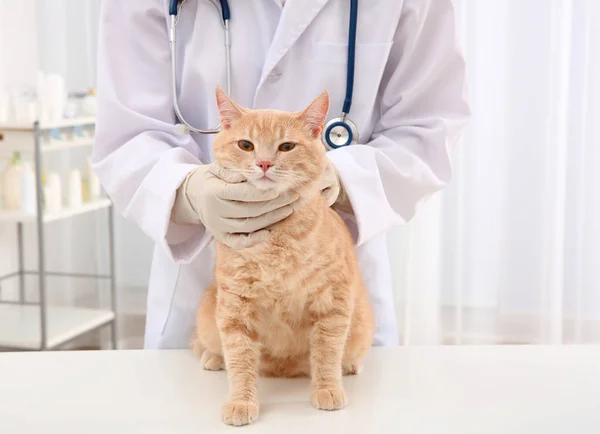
[{"x": 274, "y": 76}]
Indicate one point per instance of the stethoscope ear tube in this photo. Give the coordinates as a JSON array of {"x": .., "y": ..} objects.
[
  {"x": 225, "y": 10},
  {"x": 351, "y": 56},
  {"x": 173, "y": 7}
]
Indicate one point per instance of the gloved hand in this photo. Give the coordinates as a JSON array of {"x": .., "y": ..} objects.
[
  {"x": 330, "y": 183},
  {"x": 234, "y": 212},
  {"x": 333, "y": 190}
]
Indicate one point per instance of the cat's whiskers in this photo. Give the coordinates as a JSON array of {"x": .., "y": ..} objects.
[
  {"x": 288, "y": 175},
  {"x": 247, "y": 173}
]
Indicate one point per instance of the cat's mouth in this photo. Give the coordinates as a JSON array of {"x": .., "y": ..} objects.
[
  {"x": 266, "y": 177},
  {"x": 266, "y": 182}
]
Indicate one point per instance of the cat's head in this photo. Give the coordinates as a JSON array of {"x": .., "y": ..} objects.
[{"x": 272, "y": 149}]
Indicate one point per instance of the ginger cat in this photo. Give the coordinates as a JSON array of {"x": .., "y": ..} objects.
[{"x": 295, "y": 304}]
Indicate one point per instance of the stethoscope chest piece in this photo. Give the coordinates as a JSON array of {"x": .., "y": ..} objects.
[{"x": 339, "y": 132}]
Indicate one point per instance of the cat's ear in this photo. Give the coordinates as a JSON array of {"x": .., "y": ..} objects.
[
  {"x": 228, "y": 110},
  {"x": 315, "y": 114}
]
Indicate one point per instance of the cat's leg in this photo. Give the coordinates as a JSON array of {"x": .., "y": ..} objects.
[
  {"x": 236, "y": 321},
  {"x": 212, "y": 361},
  {"x": 196, "y": 345},
  {"x": 360, "y": 337},
  {"x": 328, "y": 337},
  {"x": 206, "y": 341}
]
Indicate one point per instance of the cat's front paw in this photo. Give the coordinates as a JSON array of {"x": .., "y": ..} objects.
[
  {"x": 240, "y": 413},
  {"x": 332, "y": 398},
  {"x": 211, "y": 361},
  {"x": 352, "y": 368}
]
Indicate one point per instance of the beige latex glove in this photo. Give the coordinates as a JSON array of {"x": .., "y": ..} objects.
[
  {"x": 333, "y": 190},
  {"x": 234, "y": 212}
]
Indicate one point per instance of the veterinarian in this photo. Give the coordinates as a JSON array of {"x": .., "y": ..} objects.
[{"x": 408, "y": 109}]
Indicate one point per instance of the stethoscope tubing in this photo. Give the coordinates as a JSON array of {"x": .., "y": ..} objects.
[
  {"x": 225, "y": 13},
  {"x": 338, "y": 123},
  {"x": 351, "y": 57}
]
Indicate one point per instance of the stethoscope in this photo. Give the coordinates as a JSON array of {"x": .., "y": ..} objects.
[{"x": 338, "y": 132}]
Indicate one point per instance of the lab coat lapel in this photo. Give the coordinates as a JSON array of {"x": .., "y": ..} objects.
[{"x": 295, "y": 18}]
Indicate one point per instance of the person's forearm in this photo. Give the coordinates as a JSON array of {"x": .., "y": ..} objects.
[
  {"x": 423, "y": 111},
  {"x": 139, "y": 159}
]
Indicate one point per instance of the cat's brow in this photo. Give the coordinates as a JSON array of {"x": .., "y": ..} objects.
[{"x": 269, "y": 126}]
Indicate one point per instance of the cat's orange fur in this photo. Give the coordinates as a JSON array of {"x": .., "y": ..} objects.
[{"x": 295, "y": 304}]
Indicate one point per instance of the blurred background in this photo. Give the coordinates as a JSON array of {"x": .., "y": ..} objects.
[{"x": 507, "y": 254}]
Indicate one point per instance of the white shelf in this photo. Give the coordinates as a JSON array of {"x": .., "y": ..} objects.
[
  {"x": 20, "y": 324},
  {"x": 54, "y": 145},
  {"x": 67, "y": 144},
  {"x": 66, "y": 123},
  {"x": 63, "y": 123},
  {"x": 17, "y": 216}
]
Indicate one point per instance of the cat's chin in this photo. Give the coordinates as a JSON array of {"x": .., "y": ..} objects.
[{"x": 269, "y": 184}]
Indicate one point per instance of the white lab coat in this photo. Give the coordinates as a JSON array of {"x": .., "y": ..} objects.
[{"x": 409, "y": 106}]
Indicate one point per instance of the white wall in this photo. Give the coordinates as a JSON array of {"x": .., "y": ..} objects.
[
  {"x": 67, "y": 39},
  {"x": 17, "y": 30}
]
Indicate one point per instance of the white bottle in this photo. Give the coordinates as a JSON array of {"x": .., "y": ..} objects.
[
  {"x": 26, "y": 110},
  {"x": 4, "y": 108},
  {"x": 55, "y": 94},
  {"x": 75, "y": 197},
  {"x": 93, "y": 183},
  {"x": 88, "y": 105},
  {"x": 27, "y": 189},
  {"x": 11, "y": 183},
  {"x": 53, "y": 193}
]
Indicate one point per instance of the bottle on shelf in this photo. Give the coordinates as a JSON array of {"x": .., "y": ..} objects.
[
  {"x": 55, "y": 97},
  {"x": 90, "y": 184},
  {"x": 88, "y": 105},
  {"x": 74, "y": 197},
  {"x": 4, "y": 108},
  {"x": 27, "y": 189},
  {"x": 11, "y": 183},
  {"x": 52, "y": 193}
]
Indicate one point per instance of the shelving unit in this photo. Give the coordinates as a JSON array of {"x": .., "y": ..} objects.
[
  {"x": 67, "y": 144},
  {"x": 20, "y": 324},
  {"x": 48, "y": 125},
  {"x": 17, "y": 216},
  {"x": 37, "y": 326}
]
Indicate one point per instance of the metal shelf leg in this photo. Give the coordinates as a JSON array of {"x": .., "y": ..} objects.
[
  {"x": 40, "y": 237},
  {"x": 113, "y": 277},
  {"x": 21, "y": 263}
]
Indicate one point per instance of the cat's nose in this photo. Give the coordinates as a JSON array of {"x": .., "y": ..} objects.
[{"x": 264, "y": 165}]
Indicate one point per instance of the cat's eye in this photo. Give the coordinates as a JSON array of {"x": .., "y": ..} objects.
[
  {"x": 285, "y": 147},
  {"x": 245, "y": 145}
]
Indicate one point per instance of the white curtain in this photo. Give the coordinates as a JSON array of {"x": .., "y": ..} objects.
[
  {"x": 509, "y": 252},
  {"x": 67, "y": 38}
]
